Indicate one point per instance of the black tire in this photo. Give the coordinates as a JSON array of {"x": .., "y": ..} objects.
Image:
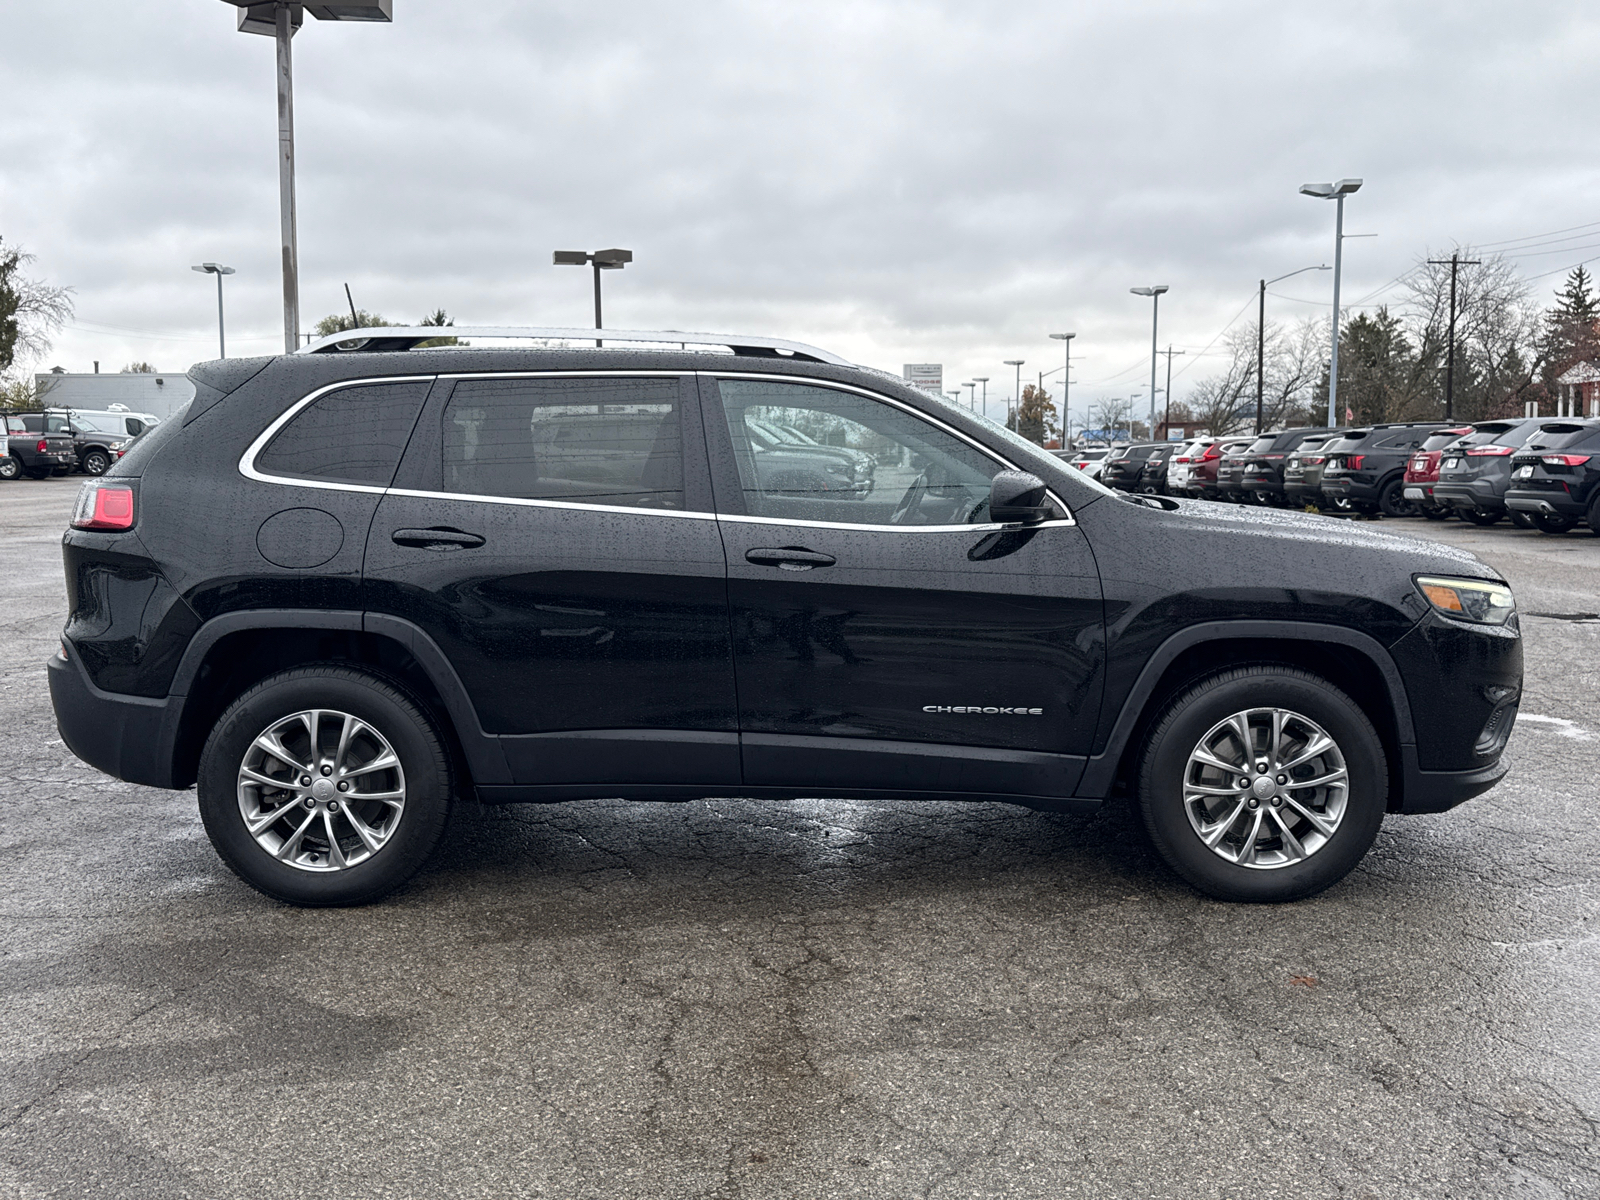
[
  {"x": 1519, "y": 519},
  {"x": 1392, "y": 500},
  {"x": 1478, "y": 517},
  {"x": 1199, "y": 709},
  {"x": 96, "y": 462},
  {"x": 1436, "y": 512},
  {"x": 1594, "y": 515},
  {"x": 395, "y": 716},
  {"x": 10, "y": 468},
  {"x": 1551, "y": 522},
  {"x": 37, "y": 473}
]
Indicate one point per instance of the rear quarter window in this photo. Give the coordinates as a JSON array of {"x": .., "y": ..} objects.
[{"x": 353, "y": 434}]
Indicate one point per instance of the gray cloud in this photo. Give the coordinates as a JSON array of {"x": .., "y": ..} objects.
[{"x": 899, "y": 181}]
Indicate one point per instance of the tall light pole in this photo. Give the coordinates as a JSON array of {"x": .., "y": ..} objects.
[
  {"x": 1167, "y": 423},
  {"x": 1066, "y": 378},
  {"x": 984, "y": 380},
  {"x": 1336, "y": 192},
  {"x": 1155, "y": 316},
  {"x": 1261, "y": 336},
  {"x": 972, "y": 394},
  {"x": 1017, "y": 363},
  {"x": 279, "y": 19},
  {"x": 219, "y": 271},
  {"x": 601, "y": 260}
]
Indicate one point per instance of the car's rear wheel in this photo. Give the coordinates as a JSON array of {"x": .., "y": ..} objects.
[
  {"x": 1265, "y": 783},
  {"x": 1479, "y": 517},
  {"x": 1551, "y": 522},
  {"x": 1392, "y": 500},
  {"x": 1437, "y": 512},
  {"x": 37, "y": 473},
  {"x": 324, "y": 786}
]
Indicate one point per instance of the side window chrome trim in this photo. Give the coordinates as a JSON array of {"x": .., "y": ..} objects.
[
  {"x": 247, "y": 460},
  {"x": 909, "y": 410},
  {"x": 520, "y": 502},
  {"x": 987, "y": 528}
]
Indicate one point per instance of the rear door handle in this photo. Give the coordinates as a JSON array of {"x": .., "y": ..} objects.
[
  {"x": 789, "y": 558},
  {"x": 436, "y": 539}
]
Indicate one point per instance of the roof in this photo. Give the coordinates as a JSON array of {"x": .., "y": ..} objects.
[
  {"x": 1584, "y": 372},
  {"x": 388, "y": 337}
]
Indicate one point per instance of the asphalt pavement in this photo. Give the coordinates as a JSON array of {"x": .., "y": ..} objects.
[{"x": 734, "y": 999}]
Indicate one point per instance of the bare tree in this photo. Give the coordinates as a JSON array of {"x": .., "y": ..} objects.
[
  {"x": 1109, "y": 414},
  {"x": 1497, "y": 344},
  {"x": 30, "y": 311}
]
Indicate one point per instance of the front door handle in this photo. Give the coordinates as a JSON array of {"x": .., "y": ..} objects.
[
  {"x": 789, "y": 558},
  {"x": 436, "y": 539}
]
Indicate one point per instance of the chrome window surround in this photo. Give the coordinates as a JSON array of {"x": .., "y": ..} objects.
[{"x": 248, "y": 469}]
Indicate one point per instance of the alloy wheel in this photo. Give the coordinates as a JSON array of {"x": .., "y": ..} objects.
[
  {"x": 1265, "y": 788},
  {"x": 321, "y": 790}
]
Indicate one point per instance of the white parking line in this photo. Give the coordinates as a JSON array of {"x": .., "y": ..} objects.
[{"x": 1567, "y": 729}]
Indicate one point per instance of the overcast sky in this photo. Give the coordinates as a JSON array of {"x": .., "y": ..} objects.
[{"x": 899, "y": 182}]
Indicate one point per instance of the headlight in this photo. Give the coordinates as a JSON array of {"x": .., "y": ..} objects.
[
  {"x": 837, "y": 469},
  {"x": 1475, "y": 600}
]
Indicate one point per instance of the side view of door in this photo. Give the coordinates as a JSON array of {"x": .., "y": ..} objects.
[
  {"x": 891, "y": 638},
  {"x": 553, "y": 535}
]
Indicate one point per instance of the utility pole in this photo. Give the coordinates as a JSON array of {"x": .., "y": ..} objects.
[
  {"x": 1170, "y": 353},
  {"x": 1455, "y": 260}
]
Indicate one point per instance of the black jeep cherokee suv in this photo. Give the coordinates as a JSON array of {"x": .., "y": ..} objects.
[{"x": 345, "y": 588}]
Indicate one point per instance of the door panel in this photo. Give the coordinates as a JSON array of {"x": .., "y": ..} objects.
[
  {"x": 602, "y": 612},
  {"x": 861, "y": 647}
]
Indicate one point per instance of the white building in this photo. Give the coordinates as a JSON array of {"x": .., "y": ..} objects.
[{"x": 160, "y": 395}]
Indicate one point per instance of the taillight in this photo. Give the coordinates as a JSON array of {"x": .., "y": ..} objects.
[
  {"x": 1563, "y": 460},
  {"x": 1211, "y": 452},
  {"x": 1489, "y": 451},
  {"x": 104, "y": 506},
  {"x": 1272, "y": 457},
  {"x": 1316, "y": 460},
  {"x": 1353, "y": 462},
  {"x": 43, "y": 447}
]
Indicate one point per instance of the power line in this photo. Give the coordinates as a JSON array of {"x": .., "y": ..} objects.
[{"x": 1534, "y": 236}]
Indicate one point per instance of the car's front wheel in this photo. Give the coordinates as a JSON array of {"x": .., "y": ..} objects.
[
  {"x": 1551, "y": 522},
  {"x": 10, "y": 468},
  {"x": 324, "y": 786},
  {"x": 1480, "y": 516},
  {"x": 96, "y": 462},
  {"x": 1264, "y": 783}
]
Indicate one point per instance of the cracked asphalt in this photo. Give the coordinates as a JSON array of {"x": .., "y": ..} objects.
[{"x": 730, "y": 999}]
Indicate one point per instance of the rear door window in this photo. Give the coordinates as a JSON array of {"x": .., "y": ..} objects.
[
  {"x": 350, "y": 435},
  {"x": 613, "y": 442}
]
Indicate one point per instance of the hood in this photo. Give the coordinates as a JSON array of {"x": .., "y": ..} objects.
[{"x": 1336, "y": 535}]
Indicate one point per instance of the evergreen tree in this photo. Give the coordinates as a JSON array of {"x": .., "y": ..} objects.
[
  {"x": 1570, "y": 334},
  {"x": 1576, "y": 302}
]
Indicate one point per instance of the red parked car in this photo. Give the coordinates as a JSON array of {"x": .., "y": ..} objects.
[
  {"x": 1202, "y": 483},
  {"x": 1422, "y": 472}
]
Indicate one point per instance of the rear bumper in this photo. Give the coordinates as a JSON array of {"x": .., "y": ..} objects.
[
  {"x": 129, "y": 737},
  {"x": 1264, "y": 487},
  {"x": 1479, "y": 494},
  {"x": 1559, "y": 504}
]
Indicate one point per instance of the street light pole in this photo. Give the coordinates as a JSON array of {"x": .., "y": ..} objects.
[
  {"x": 1155, "y": 316},
  {"x": 972, "y": 392},
  {"x": 1017, "y": 363},
  {"x": 1337, "y": 192},
  {"x": 1261, "y": 337},
  {"x": 279, "y": 19},
  {"x": 1167, "y": 424},
  {"x": 602, "y": 260},
  {"x": 984, "y": 380},
  {"x": 1066, "y": 377},
  {"x": 219, "y": 271},
  {"x": 286, "y": 206}
]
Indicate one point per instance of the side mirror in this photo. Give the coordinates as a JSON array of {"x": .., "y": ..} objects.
[{"x": 1018, "y": 498}]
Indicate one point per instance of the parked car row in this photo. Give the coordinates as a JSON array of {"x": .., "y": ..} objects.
[
  {"x": 59, "y": 441},
  {"x": 1539, "y": 472}
]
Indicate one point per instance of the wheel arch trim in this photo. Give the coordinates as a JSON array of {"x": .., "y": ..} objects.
[
  {"x": 1100, "y": 774},
  {"x": 484, "y": 755}
]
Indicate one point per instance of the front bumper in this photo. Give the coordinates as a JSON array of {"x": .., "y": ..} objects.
[
  {"x": 129, "y": 737},
  {"x": 1440, "y": 791}
]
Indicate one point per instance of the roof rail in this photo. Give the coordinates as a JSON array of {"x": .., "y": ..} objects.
[{"x": 389, "y": 337}]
